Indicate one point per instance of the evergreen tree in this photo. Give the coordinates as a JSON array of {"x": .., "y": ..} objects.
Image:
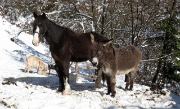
[{"x": 169, "y": 61}]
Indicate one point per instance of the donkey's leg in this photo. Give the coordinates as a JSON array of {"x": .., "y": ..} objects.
[
  {"x": 132, "y": 78},
  {"x": 67, "y": 90},
  {"x": 113, "y": 83},
  {"x": 98, "y": 79},
  {"x": 127, "y": 81},
  {"x": 108, "y": 80},
  {"x": 126, "y": 77}
]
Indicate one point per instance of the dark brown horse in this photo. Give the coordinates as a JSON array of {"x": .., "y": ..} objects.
[
  {"x": 115, "y": 61},
  {"x": 65, "y": 46}
]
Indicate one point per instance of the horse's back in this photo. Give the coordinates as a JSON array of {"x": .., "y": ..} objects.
[{"x": 78, "y": 45}]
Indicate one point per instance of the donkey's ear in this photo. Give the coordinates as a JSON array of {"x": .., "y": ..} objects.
[
  {"x": 107, "y": 43},
  {"x": 44, "y": 15},
  {"x": 92, "y": 37},
  {"x": 35, "y": 15}
]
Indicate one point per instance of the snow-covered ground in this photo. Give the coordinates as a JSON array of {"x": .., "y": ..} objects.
[{"x": 20, "y": 90}]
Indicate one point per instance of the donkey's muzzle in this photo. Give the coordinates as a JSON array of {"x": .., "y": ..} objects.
[{"x": 94, "y": 61}]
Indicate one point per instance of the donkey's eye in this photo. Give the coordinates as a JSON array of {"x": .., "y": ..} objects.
[
  {"x": 94, "y": 52},
  {"x": 40, "y": 24}
]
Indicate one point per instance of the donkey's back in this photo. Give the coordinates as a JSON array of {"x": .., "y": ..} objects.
[{"x": 127, "y": 59}]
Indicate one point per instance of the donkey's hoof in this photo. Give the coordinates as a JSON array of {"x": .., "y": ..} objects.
[
  {"x": 128, "y": 89},
  {"x": 66, "y": 92},
  {"x": 112, "y": 95},
  {"x": 97, "y": 89}
]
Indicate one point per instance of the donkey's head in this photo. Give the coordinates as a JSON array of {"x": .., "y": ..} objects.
[
  {"x": 39, "y": 28},
  {"x": 99, "y": 45}
]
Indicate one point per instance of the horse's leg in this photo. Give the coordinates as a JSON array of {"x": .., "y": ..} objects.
[
  {"x": 67, "y": 90},
  {"x": 113, "y": 83},
  {"x": 59, "y": 71},
  {"x": 98, "y": 79},
  {"x": 95, "y": 71}
]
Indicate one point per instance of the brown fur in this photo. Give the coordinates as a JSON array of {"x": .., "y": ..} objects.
[
  {"x": 113, "y": 61},
  {"x": 34, "y": 62}
]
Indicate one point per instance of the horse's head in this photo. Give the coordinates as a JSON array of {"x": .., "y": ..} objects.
[
  {"x": 39, "y": 28},
  {"x": 99, "y": 45}
]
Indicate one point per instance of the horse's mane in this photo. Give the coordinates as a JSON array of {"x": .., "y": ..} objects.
[
  {"x": 50, "y": 22},
  {"x": 100, "y": 38}
]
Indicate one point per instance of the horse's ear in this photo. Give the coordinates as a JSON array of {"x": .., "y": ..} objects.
[
  {"x": 35, "y": 15},
  {"x": 44, "y": 15}
]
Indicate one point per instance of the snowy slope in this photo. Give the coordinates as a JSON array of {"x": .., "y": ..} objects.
[{"x": 20, "y": 90}]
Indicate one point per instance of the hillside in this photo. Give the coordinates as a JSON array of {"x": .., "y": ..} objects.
[{"x": 20, "y": 90}]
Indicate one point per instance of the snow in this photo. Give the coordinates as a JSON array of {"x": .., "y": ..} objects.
[{"x": 20, "y": 90}]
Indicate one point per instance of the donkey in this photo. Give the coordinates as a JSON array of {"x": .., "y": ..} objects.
[
  {"x": 65, "y": 46},
  {"x": 115, "y": 61}
]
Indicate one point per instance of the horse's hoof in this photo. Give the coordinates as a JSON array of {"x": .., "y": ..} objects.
[
  {"x": 66, "y": 92},
  {"x": 59, "y": 90}
]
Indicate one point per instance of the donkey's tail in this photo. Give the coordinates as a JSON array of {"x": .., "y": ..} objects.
[{"x": 103, "y": 77}]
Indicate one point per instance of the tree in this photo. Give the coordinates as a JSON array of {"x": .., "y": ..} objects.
[{"x": 167, "y": 66}]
